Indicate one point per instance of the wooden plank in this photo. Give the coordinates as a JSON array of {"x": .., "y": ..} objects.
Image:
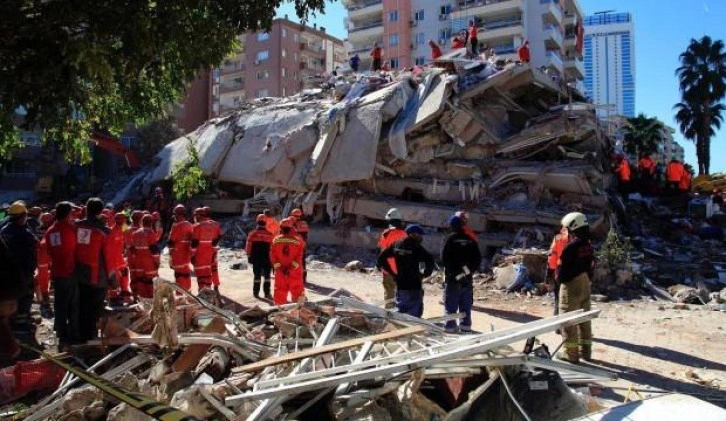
[
  {"x": 193, "y": 353},
  {"x": 328, "y": 348}
]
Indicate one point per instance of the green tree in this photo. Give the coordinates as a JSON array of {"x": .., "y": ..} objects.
[
  {"x": 188, "y": 177},
  {"x": 76, "y": 66},
  {"x": 702, "y": 81},
  {"x": 642, "y": 135}
]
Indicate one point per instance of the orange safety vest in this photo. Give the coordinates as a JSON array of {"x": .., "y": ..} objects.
[
  {"x": 558, "y": 244},
  {"x": 647, "y": 165},
  {"x": 623, "y": 170},
  {"x": 388, "y": 237},
  {"x": 674, "y": 172}
]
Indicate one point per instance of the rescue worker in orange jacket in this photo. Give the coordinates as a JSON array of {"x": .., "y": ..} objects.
[
  {"x": 622, "y": 170},
  {"x": 393, "y": 233},
  {"x": 558, "y": 244},
  {"x": 95, "y": 269},
  {"x": 674, "y": 173},
  {"x": 466, "y": 228},
  {"x": 646, "y": 171},
  {"x": 286, "y": 254},
  {"x": 136, "y": 273},
  {"x": 271, "y": 223},
  {"x": 144, "y": 248},
  {"x": 42, "y": 276},
  {"x": 215, "y": 261},
  {"x": 180, "y": 248},
  {"x": 117, "y": 244},
  {"x": 258, "y": 255},
  {"x": 302, "y": 228},
  {"x": 685, "y": 184},
  {"x": 205, "y": 237}
]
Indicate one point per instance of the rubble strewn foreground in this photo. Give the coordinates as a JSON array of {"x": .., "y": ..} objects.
[
  {"x": 337, "y": 358},
  {"x": 509, "y": 144}
]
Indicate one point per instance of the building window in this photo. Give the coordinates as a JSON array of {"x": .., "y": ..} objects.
[
  {"x": 284, "y": 32},
  {"x": 394, "y": 63},
  {"x": 393, "y": 16},
  {"x": 419, "y": 15},
  {"x": 393, "y": 40},
  {"x": 263, "y": 36},
  {"x": 284, "y": 52},
  {"x": 295, "y": 56},
  {"x": 263, "y": 55},
  {"x": 263, "y": 74},
  {"x": 261, "y": 93},
  {"x": 296, "y": 37},
  {"x": 284, "y": 72},
  {"x": 445, "y": 9},
  {"x": 420, "y": 61},
  {"x": 421, "y": 38},
  {"x": 444, "y": 35}
]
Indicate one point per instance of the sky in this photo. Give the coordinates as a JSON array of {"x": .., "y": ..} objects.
[{"x": 663, "y": 30}]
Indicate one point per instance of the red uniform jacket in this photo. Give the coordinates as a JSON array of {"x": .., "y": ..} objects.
[
  {"x": 388, "y": 237},
  {"x": 205, "y": 236},
  {"x": 143, "y": 248},
  {"x": 93, "y": 258},
  {"x": 523, "y": 53},
  {"x": 117, "y": 246},
  {"x": 623, "y": 170},
  {"x": 457, "y": 43},
  {"x": 43, "y": 262},
  {"x": 61, "y": 240},
  {"x": 470, "y": 232},
  {"x": 272, "y": 225},
  {"x": 435, "y": 52},
  {"x": 684, "y": 185},
  {"x": 180, "y": 244},
  {"x": 286, "y": 253},
  {"x": 258, "y": 246},
  {"x": 674, "y": 172},
  {"x": 303, "y": 229},
  {"x": 558, "y": 244},
  {"x": 647, "y": 165}
]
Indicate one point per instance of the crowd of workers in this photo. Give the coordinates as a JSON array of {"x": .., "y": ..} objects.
[{"x": 649, "y": 178}]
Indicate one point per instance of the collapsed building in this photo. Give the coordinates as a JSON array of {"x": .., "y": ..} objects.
[{"x": 509, "y": 144}]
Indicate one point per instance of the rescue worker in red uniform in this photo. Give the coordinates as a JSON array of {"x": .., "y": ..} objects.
[
  {"x": 95, "y": 268},
  {"x": 156, "y": 225},
  {"x": 622, "y": 170},
  {"x": 215, "y": 261},
  {"x": 302, "y": 228},
  {"x": 271, "y": 223},
  {"x": 42, "y": 276},
  {"x": 60, "y": 240},
  {"x": 466, "y": 228},
  {"x": 258, "y": 255},
  {"x": 674, "y": 173},
  {"x": 180, "y": 248},
  {"x": 205, "y": 237},
  {"x": 144, "y": 248},
  {"x": 136, "y": 273},
  {"x": 286, "y": 254},
  {"x": 117, "y": 248},
  {"x": 393, "y": 233}
]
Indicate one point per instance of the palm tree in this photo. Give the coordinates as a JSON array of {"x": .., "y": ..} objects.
[
  {"x": 702, "y": 80},
  {"x": 642, "y": 135}
]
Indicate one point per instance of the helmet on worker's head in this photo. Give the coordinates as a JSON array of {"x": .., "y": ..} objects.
[
  {"x": 35, "y": 212},
  {"x": 462, "y": 215},
  {"x": 207, "y": 211},
  {"x": 155, "y": 216},
  {"x": 414, "y": 229},
  {"x": 287, "y": 223},
  {"x": 179, "y": 209},
  {"x": 392, "y": 214},
  {"x": 46, "y": 219},
  {"x": 136, "y": 216},
  {"x": 18, "y": 208},
  {"x": 147, "y": 220},
  {"x": 120, "y": 218},
  {"x": 574, "y": 220},
  {"x": 261, "y": 218},
  {"x": 297, "y": 213},
  {"x": 455, "y": 221}
]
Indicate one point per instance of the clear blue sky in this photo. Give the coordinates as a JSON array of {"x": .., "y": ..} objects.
[{"x": 662, "y": 31}]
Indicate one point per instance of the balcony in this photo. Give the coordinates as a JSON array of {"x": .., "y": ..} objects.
[
  {"x": 554, "y": 59},
  {"x": 553, "y": 36},
  {"x": 570, "y": 41},
  {"x": 570, "y": 19},
  {"x": 500, "y": 29},
  {"x": 232, "y": 67},
  {"x": 467, "y": 8},
  {"x": 553, "y": 11},
  {"x": 366, "y": 30},
  {"x": 312, "y": 50},
  {"x": 575, "y": 67},
  {"x": 225, "y": 88},
  {"x": 365, "y": 9}
]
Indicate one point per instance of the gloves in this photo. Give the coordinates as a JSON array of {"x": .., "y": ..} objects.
[{"x": 112, "y": 280}]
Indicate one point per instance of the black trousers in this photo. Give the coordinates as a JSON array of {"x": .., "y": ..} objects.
[
  {"x": 90, "y": 310},
  {"x": 66, "y": 309},
  {"x": 474, "y": 45},
  {"x": 20, "y": 321}
]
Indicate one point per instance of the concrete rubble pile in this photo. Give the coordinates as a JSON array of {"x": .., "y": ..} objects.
[
  {"x": 507, "y": 143},
  {"x": 337, "y": 358}
]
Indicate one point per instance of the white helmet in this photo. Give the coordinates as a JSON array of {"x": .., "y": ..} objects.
[
  {"x": 574, "y": 220},
  {"x": 393, "y": 213}
]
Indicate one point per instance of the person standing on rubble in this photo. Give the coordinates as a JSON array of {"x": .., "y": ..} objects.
[
  {"x": 286, "y": 254},
  {"x": 42, "y": 275},
  {"x": 674, "y": 173},
  {"x": 377, "y": 56},
  {"x": 180, "y": 248},
  {"x": 205, "y": 237},
  {"x": 258, "y": 255},
  {"x": 523, "y": 52},
  {"x": 136, "y": 272},
  {"x": 354, "y": 62},
  {"x": 144, "y": 247},
  {"x": 215, "y": 248},
  {"x": 302, "y": 228},
  {"x": 457, "y": 42},
  {"x": 393, "y": 233},
  {"x": 622, "y": 170},
  {"x": 460, "y": 257},
  {"x": 646, "y": 171},
  {"x": 576, "y": 265},
  {"x": 435, "y": 50},
  {"x": 95, "y": 268},
  {"x": 413, "y": 264},
  {"x": 118, "y": 246},
  {"x": 473, "y": 38},
  {"x": 465, "y": 225},
  {"x": 61, "y": 241},
  {"x": 271, "y": 223}
]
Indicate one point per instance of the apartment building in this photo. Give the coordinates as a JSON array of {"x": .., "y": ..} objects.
[
  {"x": 404, "y": 27},
  {"x": 275, "y": 63},
  {"x": 610, "y": 61}
]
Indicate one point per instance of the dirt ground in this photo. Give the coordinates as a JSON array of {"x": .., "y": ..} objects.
[{"x": 651, "y": 345}]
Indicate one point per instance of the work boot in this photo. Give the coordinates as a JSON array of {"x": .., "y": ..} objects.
[
  {"x": 256, "y": 289},
  {"x": 266, "y": 289}
]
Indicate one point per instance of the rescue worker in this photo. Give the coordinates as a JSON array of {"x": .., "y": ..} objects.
[
  {"x": 42, "y": 275},
  {"x": 33, "y": 221},
  {"x": 286, "y": 254},
  {"x": 460, "y": 257},
  {"x": 465, "y": 225},
  {"x": 117, "y": 248},
  {"x": 61, "y": 242},
  {"x": 646, "y": 171},
  {"x": 473, "y": 38},
  {"x": 302, "y": 228},
  {"x": 684, "y": 186},
  {"x": 393, "y": 233},
  {"x": 258, "y": 255},
  {"x": 95, "y": 268},
  {"x": 271, "y": 223},
  {"x": 574, "y": 274},
  {"x": 674, "y": 173},
  {"x": 158, "y": 228},
  {"x": 21, "y": 247},
  {"x": 435, "y": 50},
  {"x": 180, "y": 248},
  {"x": 215, "y": 260},
  {"x": 622, "y": 170},
  {"x": 136, "y": 272},
  {"x": 413, "y": 264},
  {"x": 205, "y": 237},
  {"x": 145, "y": 249}
]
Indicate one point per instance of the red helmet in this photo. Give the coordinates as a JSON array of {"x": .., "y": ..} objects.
[
  {"x": 155, "y": 216},
  {"x": 179, "y": 209},
  {"x": 46, "y": 219},
  {"x": 261, "y": 218},
  {"x": 287, "y": 223},
  {"x": 136, "y": 216},
  {"x": 297, "y": 213},
  {"x": 120, "y": 218}
]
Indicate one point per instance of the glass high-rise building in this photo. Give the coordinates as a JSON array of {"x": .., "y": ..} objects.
[{"x": 609, "y": 54}]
